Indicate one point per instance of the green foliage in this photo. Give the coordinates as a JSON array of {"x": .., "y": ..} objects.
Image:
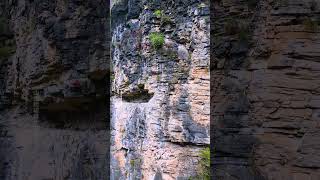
[
  {"x": 204, "y": 165},
  {"x": 112, "y": 77},
  {"x": 132, "y": 162},
  {"x": 135, "y": 162},
  {"x": 158, "y": 13},
  {"x": 157, "y": 40},
  {"x": 164, "y": 18},
  {"x": 310, "y": 24}
]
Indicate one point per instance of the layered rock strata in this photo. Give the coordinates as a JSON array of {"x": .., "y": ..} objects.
[
  {"x": 53, "y": 89},
  {"x": 264, "y": 81},
  {"x": 160, "y": 101}
]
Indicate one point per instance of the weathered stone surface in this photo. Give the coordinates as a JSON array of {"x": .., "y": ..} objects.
[
  {"x": 160, "y": 137},
  {"x": 265, "y": 92},
  {"x": 52, "y": 90}
]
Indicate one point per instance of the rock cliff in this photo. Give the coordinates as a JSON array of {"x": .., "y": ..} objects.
[
  {"x": 53, "y": 88},
  {"x": 265, "y": 89},
  {"x": 160, "y": 88}
]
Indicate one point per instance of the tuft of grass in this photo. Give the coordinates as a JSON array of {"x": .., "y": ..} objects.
[
  {"x": 157, "y": 40},
  {"x": 132, "y": 162},
  {"x": 158, "y": 13}
]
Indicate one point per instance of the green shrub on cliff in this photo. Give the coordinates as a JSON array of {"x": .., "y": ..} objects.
[
  {"x": 157, "y": 40},
  {"x": 204, "y": 165},
  {"x": 158, "y": 13},
  {"x": 165, "y": 19}
]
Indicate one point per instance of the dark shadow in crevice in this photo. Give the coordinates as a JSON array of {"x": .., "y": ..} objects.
[
  {"x": 138, "y": 95},
  {"x": 75, "y": 114},
  {"x": 81, "y": 110}
]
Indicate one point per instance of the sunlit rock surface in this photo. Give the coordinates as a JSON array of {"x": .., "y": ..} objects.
[{"x": 160, "y": 106}]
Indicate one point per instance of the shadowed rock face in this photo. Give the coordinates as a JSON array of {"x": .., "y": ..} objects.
[
  {"x": 137, "y": 95},
  {"x": 53, "y": 89},
  {"x": 76, "y": 114},
  {"x": 160, "y": 104},
  {"x": 264, "y": 83}
]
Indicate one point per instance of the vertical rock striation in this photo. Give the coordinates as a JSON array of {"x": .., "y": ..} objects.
[{"x": 160, "y": 97}]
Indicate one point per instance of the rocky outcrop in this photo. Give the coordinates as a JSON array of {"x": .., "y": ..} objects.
[
  {"x": 265, "y": 89},
  {"x": 53, "y": 89},
  {"x": 160, "y": 101}
]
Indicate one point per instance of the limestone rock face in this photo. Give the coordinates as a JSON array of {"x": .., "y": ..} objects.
[
  {"x": 160, "y": 97},
  {"x": 53, "y": 67},
  {"x": 265, "y": 90}
]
